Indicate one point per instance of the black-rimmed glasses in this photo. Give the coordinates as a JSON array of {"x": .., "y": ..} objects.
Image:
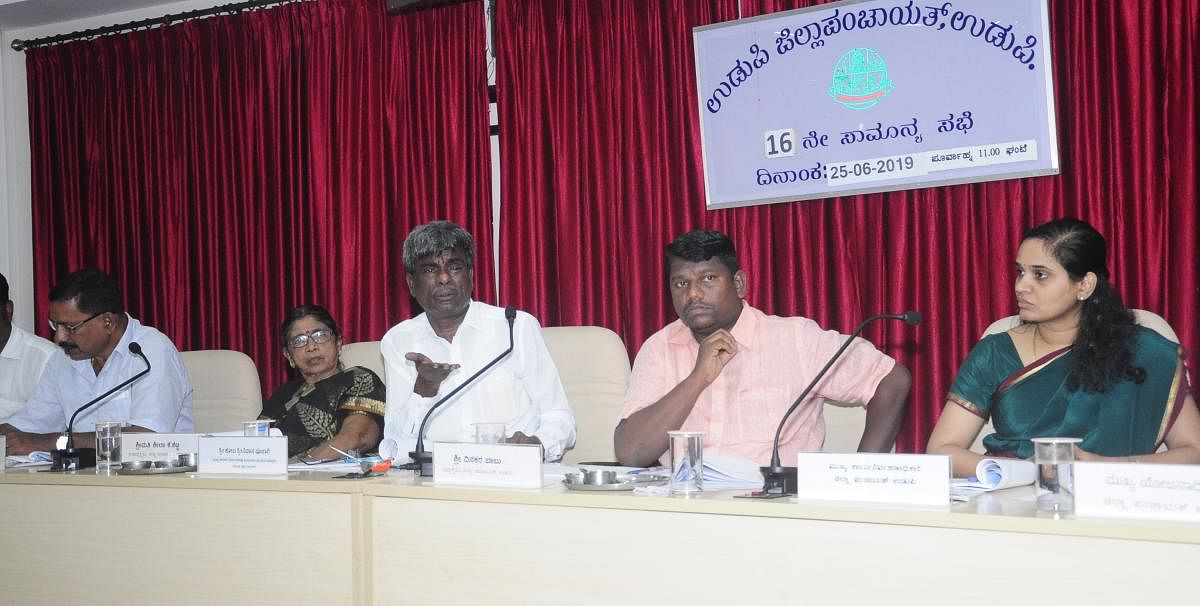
[{"x": 71, "y": 328}]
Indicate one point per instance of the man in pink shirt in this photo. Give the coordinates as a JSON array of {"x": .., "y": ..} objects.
[{"x": 731, "y": 371}]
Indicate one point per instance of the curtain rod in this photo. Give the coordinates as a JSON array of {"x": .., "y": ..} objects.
[{"x": 224, "y": 9}]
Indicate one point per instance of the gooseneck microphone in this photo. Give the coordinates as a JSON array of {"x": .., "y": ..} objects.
[
  {"x": 69, "y": 457},
  {"x": 424, "y": 459},
  {"x": 779, "y": 480}
]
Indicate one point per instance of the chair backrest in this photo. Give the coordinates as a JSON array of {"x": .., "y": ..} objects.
[
  {"x": 844, "y": 423},
  {"x": 594, "y": 368},
  {"x": 365, "y": 354},
  {"x": 1145, "y": 318},
  {"x": 225, "y": 389}
]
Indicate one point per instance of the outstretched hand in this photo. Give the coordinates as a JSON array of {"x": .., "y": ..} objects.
[
  {"x": 716, "y": 350},
  {"x": 430, "y": 374}
]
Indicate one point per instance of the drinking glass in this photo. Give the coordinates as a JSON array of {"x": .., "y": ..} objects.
[
  {"x": 108, "y": 444},
  {"x": 257, "y": 428},
  {"x": 1055, "y": 458},
  {"x": 687, "y": 462},
  {"x": 489, "y": 433}
]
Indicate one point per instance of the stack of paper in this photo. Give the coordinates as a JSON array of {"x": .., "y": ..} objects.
[
  {"x": 727, "y": 472},
  {"x": 33, "y": 459},
  {"x": 994, "y": 474},
  {"x": 724, "y": 472}
]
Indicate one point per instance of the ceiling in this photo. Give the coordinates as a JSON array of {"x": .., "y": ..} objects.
[{"x": 19, "y": 14}]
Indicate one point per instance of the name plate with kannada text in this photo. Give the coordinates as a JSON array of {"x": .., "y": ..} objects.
[
  {"x": 504, "y": 465},
  {"x": 878, "y": 478},
  {"x": 157, "y": 446},
  {"x": 1141, "y": 491},
  {"x": 258, "y": 455}
]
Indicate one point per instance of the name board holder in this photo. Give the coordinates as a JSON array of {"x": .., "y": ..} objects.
[
  {"x": 1137, "y": 491},
  {"x": 877, "y": 478},
  {"x": 158, "y": 446},
  {"x": 497, "y": 465},
  {"x": 258, "y": 455}
]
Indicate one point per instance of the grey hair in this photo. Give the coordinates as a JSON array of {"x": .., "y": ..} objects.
[{"x": 434, "y": 238}]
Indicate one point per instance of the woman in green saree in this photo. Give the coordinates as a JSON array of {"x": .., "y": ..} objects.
[{"x": 1078, "y": 365}]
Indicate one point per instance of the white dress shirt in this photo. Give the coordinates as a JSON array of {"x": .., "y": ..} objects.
[
  {"x": 522, "y": 391},
  {"x": 22, "y": 361},
  {"x": 160, "y": 401}
]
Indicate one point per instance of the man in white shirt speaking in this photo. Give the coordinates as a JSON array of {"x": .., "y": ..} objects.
[
  {"x": 428, "y": 356},
  {"x": 23, "y": 357},
  {"x": 93, "y": 334}
]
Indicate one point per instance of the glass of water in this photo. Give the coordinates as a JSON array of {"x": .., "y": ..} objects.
[
  {"x": 489, "y": 433},
  {"x": 1055, "y": 459},
  {"x": 687, "y": 462},
  {"x": 108, "y": 445}
]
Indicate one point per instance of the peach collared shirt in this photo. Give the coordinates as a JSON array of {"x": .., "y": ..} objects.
[{"x": 776, "y": 359}]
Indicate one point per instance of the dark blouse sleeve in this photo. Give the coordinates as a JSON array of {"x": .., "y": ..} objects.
[
  {"x": 979, "y": 376},
  {"x": 365, "y": 394}
]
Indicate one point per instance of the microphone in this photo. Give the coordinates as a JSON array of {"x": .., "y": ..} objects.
[
  {"x": 780, "y": 481},
  {"x": 423, "y": 459},
  {"x": 69, "y": 457}
]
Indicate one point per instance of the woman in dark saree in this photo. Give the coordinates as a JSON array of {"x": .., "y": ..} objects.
[
  {"x": 1078, "y": 365},
  {"x": 327, "y": 410}
]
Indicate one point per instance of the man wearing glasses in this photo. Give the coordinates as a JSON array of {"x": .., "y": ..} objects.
[
  {"x": 23, "y": 357},
  {"x": 93, "y": 334}
]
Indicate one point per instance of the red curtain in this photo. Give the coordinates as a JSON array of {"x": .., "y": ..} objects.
[
  {"x": 602, "y": 167},
  {"x": 227, "y": 169}
]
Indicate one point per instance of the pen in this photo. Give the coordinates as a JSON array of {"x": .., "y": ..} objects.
[{"x": 341, "y": 452}]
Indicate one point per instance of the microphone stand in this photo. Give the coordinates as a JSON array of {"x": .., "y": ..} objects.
[
  {"x": 70, "y": 458},
  {"x": 778, "y": 480},
  {"x": 423, "y": 459}
]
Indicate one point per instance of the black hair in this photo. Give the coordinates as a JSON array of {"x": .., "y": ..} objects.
[
  {"x": 4, "y": 289},
  {"x": 93, "y": 291},
  {"x": 1107, "y": 329},
  {"x": 701, "y": 245},
  {"x": 321, "y": 314}
]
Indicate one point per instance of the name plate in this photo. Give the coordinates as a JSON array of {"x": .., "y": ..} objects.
[
  {"x": 506, "y": 465},
  {"x": 259, "y": 455},
  {"x": 1128, "y": 490},
  {"x": 877, "y": 478},
  {"x": 157, "y": 446}
]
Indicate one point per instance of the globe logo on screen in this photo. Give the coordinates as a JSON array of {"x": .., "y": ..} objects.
[{"x": 860, "y": 79}]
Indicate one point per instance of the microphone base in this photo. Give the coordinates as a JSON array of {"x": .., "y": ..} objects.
[
  {"x": 71, "y": 459},
  {"x": 778, "y": 481},
  {"x": 425, "y": 460}
]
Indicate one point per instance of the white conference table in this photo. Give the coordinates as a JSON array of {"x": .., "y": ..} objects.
[{"x": 309, "y": 539}]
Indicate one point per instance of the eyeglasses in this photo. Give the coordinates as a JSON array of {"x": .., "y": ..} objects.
[
  {"x": 319, "y": 337},
  {"x": 72, "y": 328}
]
